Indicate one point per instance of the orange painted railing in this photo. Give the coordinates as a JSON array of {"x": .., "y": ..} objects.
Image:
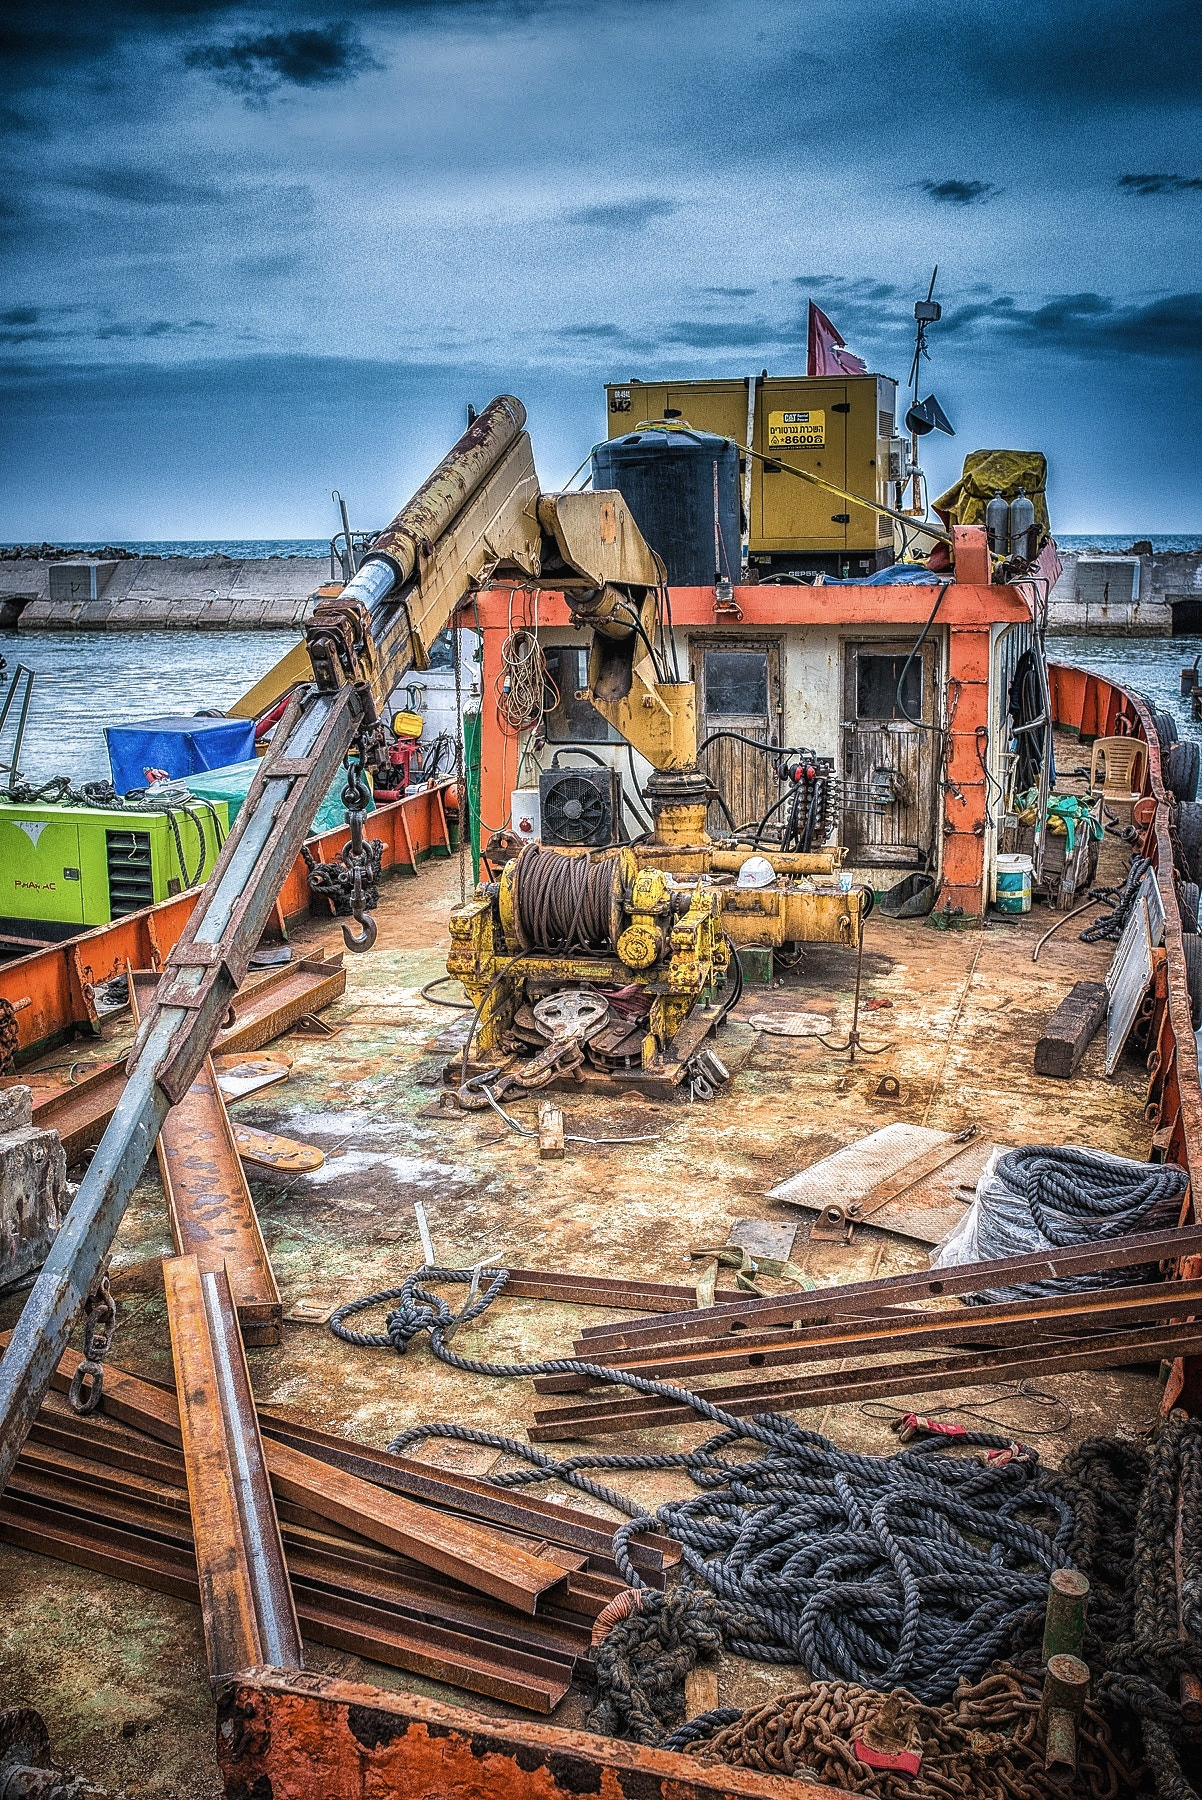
[
  {"x": 55, "y": 988},
  {"x": 1096, "y": 707}
]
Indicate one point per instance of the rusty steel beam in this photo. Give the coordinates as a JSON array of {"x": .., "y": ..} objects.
[
  {"x": 745, "y": 1399},
  {"x": 474, "y": 1554},
  {"x": 209, "y": 1205},
  {"x": 859, "y": 1297},
  {"x": 245, "y": 1597},
  {"x": 633, "y": 1294},
  {"x": 72, "y": 1480},
  {"x": 137, "y": 1545},
  {"x": 318, "y": 1738},
  {"x": 263, "y": 1010},
  {"x": 516, "y": 1508},
  {"x": 1010, "y": 1322},
  {"x": 480, "y": 1558}
]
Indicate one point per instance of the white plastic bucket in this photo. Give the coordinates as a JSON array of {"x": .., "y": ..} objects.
[{"x": 1014, "y": 884}]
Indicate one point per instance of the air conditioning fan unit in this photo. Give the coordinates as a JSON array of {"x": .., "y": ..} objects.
[{"x": 581, "y": 807}]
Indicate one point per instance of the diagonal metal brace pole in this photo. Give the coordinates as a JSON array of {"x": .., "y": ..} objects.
[{"x": 201, "y": 977}]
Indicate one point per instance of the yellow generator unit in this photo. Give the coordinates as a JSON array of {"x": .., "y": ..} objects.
[{"x": 842, "y": 429}]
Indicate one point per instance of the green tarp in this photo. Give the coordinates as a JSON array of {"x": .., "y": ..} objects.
[{"x": 990, "y": 472}]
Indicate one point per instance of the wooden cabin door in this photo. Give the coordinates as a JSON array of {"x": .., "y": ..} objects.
[
  {"x": 738, "y": 683},
  {"x": 889, "y": 763}
]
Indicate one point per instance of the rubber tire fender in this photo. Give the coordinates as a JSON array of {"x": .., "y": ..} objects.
[
  {"x": 1189, "y": 833},
  {"x": 1192, "y": 944},
  {"x": 1188, "y": 896},
  {"x": 1166, "y": 727},
  {"x": 1181, "y": 766}
]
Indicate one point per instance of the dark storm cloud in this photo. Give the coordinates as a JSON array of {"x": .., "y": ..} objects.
[
  {"x": 858, "y": 288},
  {"x": 615, "y": 215},
  {"x": 958, "y": 192},
  {"x": 313, "y": 56},
  {"x": 1088, "y": 323},
  {"x": 145, "y": 187},
  {"x": 1072, "y": 52},
  {"x": 62, "y": 326},
  {"x": 1147, "y": 185}
]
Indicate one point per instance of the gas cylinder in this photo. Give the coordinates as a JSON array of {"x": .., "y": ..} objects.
[
  {"x": 997, "y": 525},
  {"x": 1022, "y": 526}
]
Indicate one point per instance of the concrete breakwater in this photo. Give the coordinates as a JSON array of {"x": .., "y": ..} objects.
[
  {"x": 153, "y": 593},
  {"x": 1140, "y": 592},
  {"x": 1143, "y": 593}
]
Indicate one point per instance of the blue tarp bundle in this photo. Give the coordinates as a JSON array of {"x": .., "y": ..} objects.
[
  {"x": 176, "y": 745},
  {"x": 897, "y": 575}
]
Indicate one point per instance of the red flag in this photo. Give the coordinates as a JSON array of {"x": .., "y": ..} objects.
[{"x": 826, "y": 353}]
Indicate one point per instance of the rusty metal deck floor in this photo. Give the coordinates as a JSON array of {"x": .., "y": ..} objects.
[{"x": 120, "y": 1674}]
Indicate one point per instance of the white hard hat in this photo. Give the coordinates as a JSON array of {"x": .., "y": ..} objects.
[{"x": 756, "y": 872}]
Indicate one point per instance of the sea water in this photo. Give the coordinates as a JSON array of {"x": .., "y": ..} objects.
[{"x": 85, "y": 680}]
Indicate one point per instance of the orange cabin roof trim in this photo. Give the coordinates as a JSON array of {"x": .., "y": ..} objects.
[{"x": 971, "y": 600}]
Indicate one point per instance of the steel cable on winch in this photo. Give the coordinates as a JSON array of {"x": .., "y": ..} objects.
[
  {"x": 916, "y": 1568},
  {"x": 564, "y": 903}
]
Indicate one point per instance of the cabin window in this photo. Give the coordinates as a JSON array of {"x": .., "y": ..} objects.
[
  {"x": 877, "y": 679},
  {"x": 568, "y": 720},
  {"x": 736, "y": 683}
]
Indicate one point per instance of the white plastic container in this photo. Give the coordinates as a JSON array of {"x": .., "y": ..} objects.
[{"x": 1013, "y": 885}]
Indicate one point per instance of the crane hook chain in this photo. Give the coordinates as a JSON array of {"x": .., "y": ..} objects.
[{"x": 357, "y": 858}]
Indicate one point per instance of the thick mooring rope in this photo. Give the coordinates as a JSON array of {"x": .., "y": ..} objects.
[{"x": 917, "y": 1568}]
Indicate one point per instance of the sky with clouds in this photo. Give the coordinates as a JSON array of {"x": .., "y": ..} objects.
[{"x": 251, "y": 254}]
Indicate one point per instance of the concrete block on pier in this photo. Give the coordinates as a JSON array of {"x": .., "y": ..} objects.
[{"x": 33, "y": 1187}]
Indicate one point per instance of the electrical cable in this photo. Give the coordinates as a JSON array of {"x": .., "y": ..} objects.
[{"x": 436, "y": 1000}]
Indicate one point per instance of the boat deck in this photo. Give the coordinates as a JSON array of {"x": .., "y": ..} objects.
[{"x": 119, "y": 1673}]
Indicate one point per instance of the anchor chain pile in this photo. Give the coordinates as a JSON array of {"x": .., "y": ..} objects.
[{"x": 984, "y": 1743}]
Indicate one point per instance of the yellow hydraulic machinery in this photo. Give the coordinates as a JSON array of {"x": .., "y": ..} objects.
[
  {"x": 648, "y": 949},
  {"x": 661, "y": 919}
]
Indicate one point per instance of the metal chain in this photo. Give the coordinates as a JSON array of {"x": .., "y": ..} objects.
[
  {"x": 99, "y": 1325},
  {"x": 985, "y": 1741},
  {"x": 356, "y": 857}
]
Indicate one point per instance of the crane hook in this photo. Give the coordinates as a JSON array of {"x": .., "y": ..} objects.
[
  {"x": 366, "y": 938},
  {"x": 355, "y": 856}
]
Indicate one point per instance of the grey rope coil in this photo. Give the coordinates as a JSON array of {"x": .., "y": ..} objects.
[
  {"x": 1076, "y": 1196},
  {"x": 916, "y": 1568},
  {"x": 1059, "y": 1195}
]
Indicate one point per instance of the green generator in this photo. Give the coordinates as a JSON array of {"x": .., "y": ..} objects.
[{"x": 75, "y": 866}]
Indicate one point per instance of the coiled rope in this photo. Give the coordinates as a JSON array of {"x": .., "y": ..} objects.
[
  {"x": 916, "y": 1568},
  {"x": 1045, "y": 1195},
  {"x": 1108, "y": 927}
]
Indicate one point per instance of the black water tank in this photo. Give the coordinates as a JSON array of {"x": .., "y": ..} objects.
[{"x": 680, "y": 484}]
